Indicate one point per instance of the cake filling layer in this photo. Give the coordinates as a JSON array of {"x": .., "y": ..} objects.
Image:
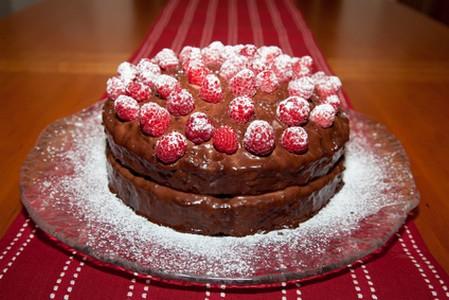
[{"x": 210, "y": 215}]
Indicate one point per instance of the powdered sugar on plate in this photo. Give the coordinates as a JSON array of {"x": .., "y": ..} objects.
[{"x": 65, "y": 189}]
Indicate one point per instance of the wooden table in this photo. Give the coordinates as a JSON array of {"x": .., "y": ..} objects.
[{"x": 55, "y": 57}]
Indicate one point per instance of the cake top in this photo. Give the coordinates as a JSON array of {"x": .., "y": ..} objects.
[{"x": 232, "y": 97}]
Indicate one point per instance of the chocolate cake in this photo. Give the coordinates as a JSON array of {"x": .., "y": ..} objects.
[{"x": 224, "y": 140}]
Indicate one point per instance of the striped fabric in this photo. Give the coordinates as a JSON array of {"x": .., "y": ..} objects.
[{"x": 32, "y": 266}]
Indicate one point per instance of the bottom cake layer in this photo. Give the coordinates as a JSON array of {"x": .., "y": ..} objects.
[{"x": 209, "y": 215}]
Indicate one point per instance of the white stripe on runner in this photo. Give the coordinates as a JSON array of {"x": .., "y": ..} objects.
[
  {"x": 61, "y": 275},
  {"x": 429, "y": 265},
  {"x": 283, "y": 290},
  {"x": 223, "y": 293},
  {"x": 366, "y": 274},
  {"x": 146, "y": 288},
  {"x": 355, "y": 283},
  {"x": 208, "y": 28},
  {"x": 417, "y": 266},
  {"x": 232, "y": 22},
  {"x": 17, "y": 254},
  {"x": 298, "y": 291},
  {"x": 184, "y": 27},
  {"x": 75, "y": 276},
  {"x": 255, "y": 23},
  {"x": 131, "y": 286},
  {"x": 207, "y": 292},
  {"x": 16, "y": 238},
  {"x": 158, "y": 28},
  {"x": 279, "y": 27}
]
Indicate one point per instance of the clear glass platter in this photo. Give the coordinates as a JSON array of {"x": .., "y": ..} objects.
[{"x": 65, "y": 190}]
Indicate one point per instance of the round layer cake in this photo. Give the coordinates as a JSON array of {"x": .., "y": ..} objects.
[{"x": 224, "y": 140}]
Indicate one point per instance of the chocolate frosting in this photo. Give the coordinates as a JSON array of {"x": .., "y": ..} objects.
[
  {"x": 204, "y": 170},
  {"x": 209, "y": 215}
]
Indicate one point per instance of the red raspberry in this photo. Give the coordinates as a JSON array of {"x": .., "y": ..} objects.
[
  {"x": 196, "y": 72},
  {"x": 323, "y": 115},
  {"x": 212, "y": 55},
  {"x": 166, "y": 84},
  {"x": 269, "y": 53},
  {"x": 241, "y": 109},
  {"x": 188, "y": 54},
  {"x": 139, "y": 91},
  {"x": 154, "y": 119},
  {"x": 146, "y": 66},
  {"x": 127, "y": 108},
  {"x": 232, "y": 66},
  {"x": 282, "y": 66},
  {"x": 199, "y": 128},
  {"x": 248, "y": 50},
  {"x": 115, "y": 87},
  {"x": 307, "y": 61},
  {"x": 259, "y": 138},
  {"x": 293, "y": 111},
  {"x": 148, "y": 79},
  {"x": 333, "y": 100},
  {"x": 259, "y": 64},
  {"x": 302, "y": 87},
  {"x": 224, "y": 140},
  {"x": 180, "y": 103},
  {"x": 171, "y": 147},
  {"x": 299, "y": 69},
  {"x": 127, "y": 72},
  {"x": 166, "y": 59},
  {"x": 295, "y": 139},
  {"x": 267, "y": 81},
  {"x": 327, "y": 86},
  {"x": 211, "y": 90},
  {"x": 316, "y": 77},
  {"x": 243, "y": 83}
]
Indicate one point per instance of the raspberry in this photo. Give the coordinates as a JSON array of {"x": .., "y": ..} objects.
[
  {"x": 232, "y": 66},
  {"x": 199, "y": 128},
  {"x": 298, "y": 68},
  {"x": 180, "y": 103},
  {"x": 196, "y": 72},
  {"x": 188, "y": 54},
  {"x": 333, "y": 100},
  {"x": 115, "y": 87},
  {"x": 166, "y": 59},
  {"x": 259, "y": 64},
  {"x": 139, "y": 91},
  {"x": 302, "y": 87},
  {"x": 211, "y": 90},
  {"x": 328, "y": 85},
  {"x": 293, "y": 111},
  {"x": 269, "y": 53},
  {"x": 224, "y": 140},
  {"x": 282, "y": 66},
  {"x": 148, "y": 78},
  {"x": 294, "y": 139},
  {"x": 323, "y": 115},
  {"x": 166, "y": 84},
  {"x": 243, "y": 83},
  {"x": 267, "y": 81},
  {"x": 241, "y": 109},
  {"x": 127, "y": 72},
  {"x": 154, "y": 119},
  {"x": 127, "y": 108},
  {"x": 146, "y": 66},
  {"x": 259, "y": 138},
  {"x": 307, "y": 61},
  {"x": 316, "y": 77},
  {"x": 171, "y": 147},
  {"x": 248, "y": 50},
  {"x": 212, "y": 55}
]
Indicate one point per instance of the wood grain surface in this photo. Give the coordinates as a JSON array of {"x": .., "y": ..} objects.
[{"x": 55, "y": 57}]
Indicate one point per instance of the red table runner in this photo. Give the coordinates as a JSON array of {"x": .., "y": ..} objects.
[{"x": 32, "y": 266}]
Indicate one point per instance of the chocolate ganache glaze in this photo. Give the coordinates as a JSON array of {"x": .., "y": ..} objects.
[{"x": 203, "y": 170}]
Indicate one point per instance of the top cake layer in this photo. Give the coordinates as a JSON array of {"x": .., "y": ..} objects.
[{"x": 221, "y": 126}]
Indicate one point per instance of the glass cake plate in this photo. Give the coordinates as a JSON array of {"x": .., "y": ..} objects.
[{"x": 65, "y": 190}]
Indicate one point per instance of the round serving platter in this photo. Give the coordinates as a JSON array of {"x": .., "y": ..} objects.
[{"x": 65, "y": 190}]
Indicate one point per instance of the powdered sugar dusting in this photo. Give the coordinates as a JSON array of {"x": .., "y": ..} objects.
[{"x": 65, "y": 189}]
